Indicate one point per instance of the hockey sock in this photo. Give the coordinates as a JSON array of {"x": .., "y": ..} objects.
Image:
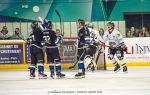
[
  {"x": 80, "y": 67},
  {"x": 58, "y": 67},
  {"x": 40, "y": 68},
  {"x": 32, "y": 69},
  {"x": 51, "y": 67}
]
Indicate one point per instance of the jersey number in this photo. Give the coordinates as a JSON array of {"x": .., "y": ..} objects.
[{"x": 46, "y": 39}]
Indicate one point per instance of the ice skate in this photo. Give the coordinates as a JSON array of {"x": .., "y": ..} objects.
[
  {"x": 60, "y": 75},
  {"x": 125, "y": 69},
  {"x": 91, "y": 68},
  {"x": 32, "y": 75},
  {"x": 42, "y": 76},
  {"x": 117, "y": 68},
  {"x": 80, "y": 75},
  {"x": 52, "y": 75}
]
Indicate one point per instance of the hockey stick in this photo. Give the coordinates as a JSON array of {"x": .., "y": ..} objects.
[
  {"x": 71, "y": 67},
  {"x": 58, "y": 14},
  {"x": 114, "y": 47},
  {"x": 76, "y": 62},
  {"x": 61, "y": 30},
  {"x": 98, "y": 55}
]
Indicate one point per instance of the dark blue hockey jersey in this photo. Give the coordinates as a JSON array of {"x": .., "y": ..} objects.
[
  {"x": 50, "y": 38},
  {"x": 36, "y": 37},
  {"x": 83, "y": 37}
]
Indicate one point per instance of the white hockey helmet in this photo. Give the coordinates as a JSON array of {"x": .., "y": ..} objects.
[{"x": 90, "y": 25}]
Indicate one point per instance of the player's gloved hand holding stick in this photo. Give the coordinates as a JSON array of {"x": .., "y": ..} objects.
[{"x": 121, "y": 46}]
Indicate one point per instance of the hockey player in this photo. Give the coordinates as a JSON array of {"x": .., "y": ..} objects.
[
  {"x": 94, "y": 34},
  {"x": 95, "y": 40},
  {"x": 117, "y": 46},
  {"x": 37, "y": 55},
  {"x": 52, "y": 51},
  {"x": 83, "y": 46}
]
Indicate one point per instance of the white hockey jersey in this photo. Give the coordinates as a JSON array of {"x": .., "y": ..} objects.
[
  {"x": 114, "y": 38},
  {"x": 95, "y": 36}
]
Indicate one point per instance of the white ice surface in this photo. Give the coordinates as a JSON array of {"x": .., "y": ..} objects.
[{"x": 135, "y": 82}]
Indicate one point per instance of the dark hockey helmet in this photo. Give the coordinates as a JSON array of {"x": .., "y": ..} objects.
[
  {"x": 34, "y": 24},
  {"x": 49, "y": 24},
  {"x": 81, "y": 21}
]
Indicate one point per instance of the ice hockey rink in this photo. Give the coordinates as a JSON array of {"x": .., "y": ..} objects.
[{"x": 101, "y": 82}]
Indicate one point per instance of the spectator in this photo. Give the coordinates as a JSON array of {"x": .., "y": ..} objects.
[
  {"x": 17, "y": 35},
  {"x": 59, "y": 36},
  {"x": 144, "y": 32},
  {"x": 132, "y": 32},
  {"x": 101, "y": 32},
  {"x": 4, "y": 33},
  {"x": 58, "y": 33}
]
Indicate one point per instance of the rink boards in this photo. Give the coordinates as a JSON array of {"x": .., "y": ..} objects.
[
  {"x": 138, "y": 52},
  {"x": 14, "y": 55}
]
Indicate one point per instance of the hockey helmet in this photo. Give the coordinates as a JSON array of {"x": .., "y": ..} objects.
[
  {"x": 91, "y": 25},
  {"x": 111, "y": 23},
  {"x": 34, "y": 24}
]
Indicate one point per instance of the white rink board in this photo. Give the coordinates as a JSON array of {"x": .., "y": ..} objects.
[{"x": 139, "y": 49}]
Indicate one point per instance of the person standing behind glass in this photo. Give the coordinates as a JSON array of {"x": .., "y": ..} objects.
[
  {"x": 17, "y": 35},
  {"x": 132, "y": 32},
  {"x": 101, "y": 32},
  {"x": 144, "y": 32},
  {"x": 4, "y": 33}
]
